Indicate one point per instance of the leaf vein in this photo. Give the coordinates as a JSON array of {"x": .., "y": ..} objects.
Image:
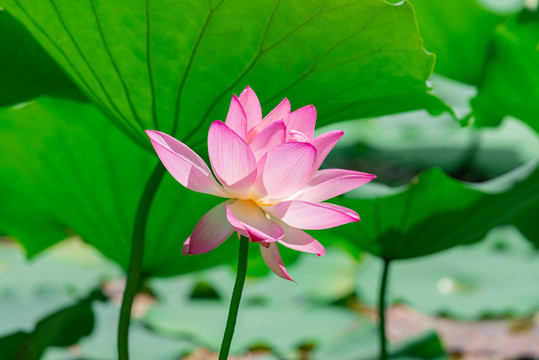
[
  {"x": 125, "y": 126},
  {"x": 118, "y": 115},
  {"x": 115, "y": 65},
  {"x": 149, "y": 64},
  {"x": 189, "y": 66}
]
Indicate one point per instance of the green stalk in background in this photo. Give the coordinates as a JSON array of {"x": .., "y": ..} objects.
[
  {"x": 236, "y": 298},
  {"x": 382, "y": 310},
  {"x": 135, "y": 261}
]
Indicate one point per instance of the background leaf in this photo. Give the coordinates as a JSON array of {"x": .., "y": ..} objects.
[
  {"x": 291, "y": 327},
  {"x": 509, "y": 85},
  {"x": 435, "y": 212},
  {"x": 526, "y": 223},
  {"x": 363, "y": 344},
  {"x": 101, "y": 344},
  {"x": 46, "y": 301},
  {"x": 173, "y": 66},
  {"x": 490, "y": 278},
  {"x": 55, "y": 280},
  {"x": 458, "y": 32},
  {"x": 319, "y": 280},
  {"x": 398, "y": 147},
  {"x": 62, "y": 328}
]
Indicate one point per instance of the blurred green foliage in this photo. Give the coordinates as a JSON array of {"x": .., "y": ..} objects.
[
  {"x": 509, "y": 85},
  {"x": 458, "y": 32}
]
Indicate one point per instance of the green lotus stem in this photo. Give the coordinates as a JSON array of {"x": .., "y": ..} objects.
[
  {"x": 382, "y": 310},
  {"x": 236, "y": 297},
  {"x": 135, "y": 261}
]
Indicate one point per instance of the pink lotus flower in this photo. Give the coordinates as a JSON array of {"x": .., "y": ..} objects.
[{"x": 268, "y": 168}]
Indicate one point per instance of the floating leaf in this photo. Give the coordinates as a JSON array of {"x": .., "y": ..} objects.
[
  {"x": 101, "y": 344},
  {"x": 490, "y": 278},
  {"x": 526, "y": 223},
  {"x": 363, "y": 344},
  {"x": 63, "y": 328},
  {"x": 318, "y": 280},
  {"x": 289, "y": 312},
  {"x": 54, "y": 280},
  {"x": 173, "y": 65},
  {"x": 283, "y": 329}
]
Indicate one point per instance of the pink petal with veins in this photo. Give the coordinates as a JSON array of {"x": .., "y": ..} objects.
[
  {"x": 232, "y": 160},
  {"x": 324, "y": 143},
  {"x": 251, "y": 105},
  {"x": 209, "y": 232},
  {"x": 271, "y": 136},
  {"x": 184, "y": 164},
  {"x": 250, "y": 221},
  {"x": 299, "y": 240},
  {"x": 311, "y": 216},
  {"x": 281, "y": 112},
  {"x": 272, "y": 258},
  {"x": 296, "y": 136},
  {"x": 284, "y": 170},
  {"x": 303, "y": 120},
  {"x": 326, "y": 184},
  {"x": 236, "y": 119}
]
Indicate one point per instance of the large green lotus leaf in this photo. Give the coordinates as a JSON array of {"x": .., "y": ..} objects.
[
  {"x": 26, "y": 70},
  {"x": 510, "y": 83},
  {"x": 435, "y": 212},
  {"x": 173, "y": 65},
  {"x": 489, "y": 278},
  {"x": 56, "y": 279},
  {"x": 75, "y": 170},
  {"x": 458, "y": 32}
]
